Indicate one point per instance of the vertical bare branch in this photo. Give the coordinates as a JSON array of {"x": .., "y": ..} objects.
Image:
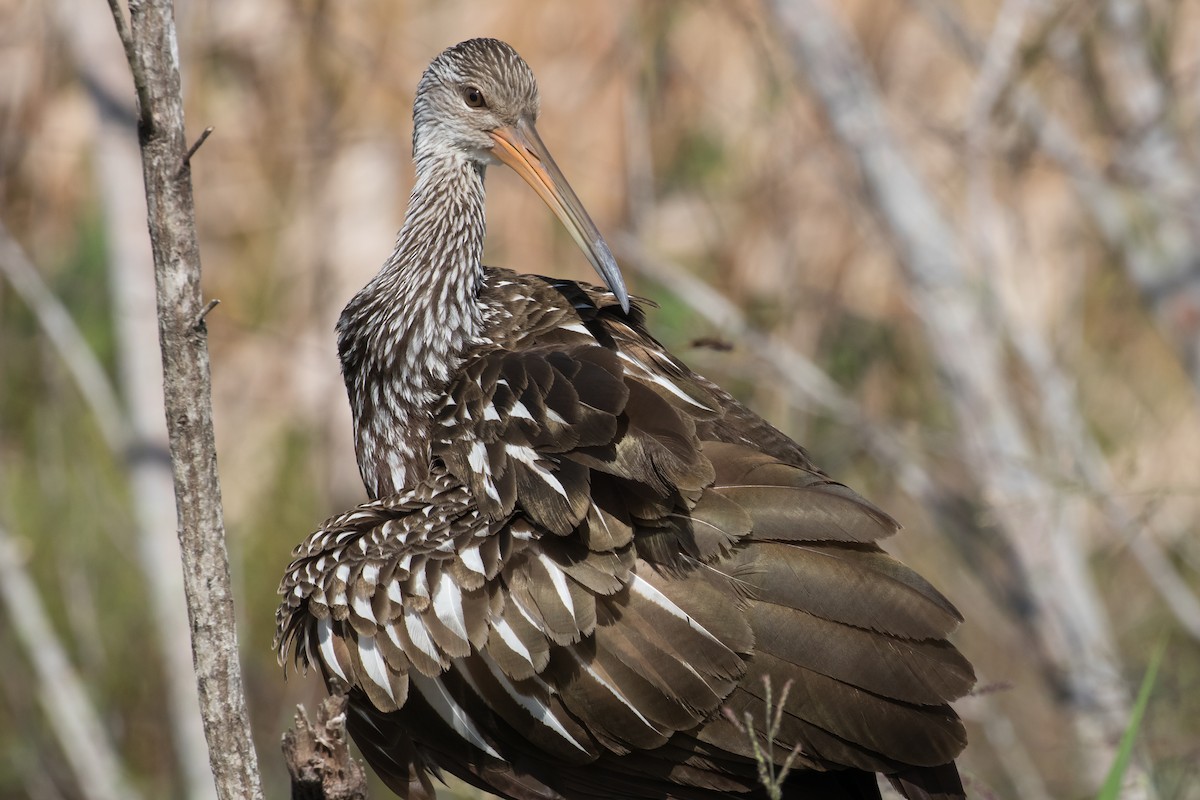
[
  {"x": 955, "y": 311},
  {"x": 84, "y": 741},
  {"x": 116, "y": 160},
  {"x": 188, "y": 396}
]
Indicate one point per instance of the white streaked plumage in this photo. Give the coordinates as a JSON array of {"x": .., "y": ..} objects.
[
  {"x": 450, "y": 711},
  {"x": 328, "y": 655},
  {"x": 503, "y": 629},
  {"x": 415, "y": 626},
  {"x": 559, "y": 582},
  {"x": 576, "y": 551},
  {"x": 644, "y": 588},
  {"x": 448, "y": 605},
  {"x": 607, "y": 683},
  {"x": 529, "y": 457},
  {"x": 536, "y": 708},
  {"x": 374, "y": 665}
]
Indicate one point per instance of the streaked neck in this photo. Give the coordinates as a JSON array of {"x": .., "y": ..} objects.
[{"x": 402, "y": 336}]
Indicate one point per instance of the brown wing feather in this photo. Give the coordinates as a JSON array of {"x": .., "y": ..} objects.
[{"x": 608, "y": 550}]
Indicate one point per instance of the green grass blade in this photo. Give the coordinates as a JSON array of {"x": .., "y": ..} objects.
[{"x": 1116, "y": 775}]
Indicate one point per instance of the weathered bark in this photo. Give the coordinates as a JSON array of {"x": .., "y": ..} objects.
[
  {"x": 318, "y": 755},
  {"x": 100, "y": 63},
  {"x": 152, "y": 49}
]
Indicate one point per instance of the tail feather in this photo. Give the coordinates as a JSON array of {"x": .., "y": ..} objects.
[
  {"x": 929, "y": 783},
  {"x": 833, "y": 785}
]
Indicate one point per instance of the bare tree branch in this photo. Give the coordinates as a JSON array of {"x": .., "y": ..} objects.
[
  {"x": 84, "y": 741},
  {"x": 955, "y": 310},
  {"x": 140, "y": 84},
  {"x": 187, "y": 162},
  {"x": 187, "y": 387},
  {"x": 1060, "y": 409},
  {"x": 117, "y": 166}
]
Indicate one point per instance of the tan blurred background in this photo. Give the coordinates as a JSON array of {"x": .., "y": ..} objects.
[{"x": 1058, "y": 141}]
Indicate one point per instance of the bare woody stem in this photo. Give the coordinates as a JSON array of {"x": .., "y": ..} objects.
[
  {"x": 318, "y": 756},
  {"x": 151, "y": 46}
]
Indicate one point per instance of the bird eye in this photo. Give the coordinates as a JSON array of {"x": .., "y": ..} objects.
[{"x": 474, "y": 97}]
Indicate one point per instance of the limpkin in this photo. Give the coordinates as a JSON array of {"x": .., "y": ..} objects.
[{"x": 580, "y": 559}]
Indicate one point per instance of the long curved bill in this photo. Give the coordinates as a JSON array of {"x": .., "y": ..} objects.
[{"x": 520, "y": 147}]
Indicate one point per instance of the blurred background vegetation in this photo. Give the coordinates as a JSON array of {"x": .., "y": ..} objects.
[{"x": 1059, "y": 138}]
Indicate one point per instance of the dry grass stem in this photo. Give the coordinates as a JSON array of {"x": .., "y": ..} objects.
[{"x": 772, "y": 772}]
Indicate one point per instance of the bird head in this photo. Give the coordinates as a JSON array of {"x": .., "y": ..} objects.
[{"x": 479, "y": 100}]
